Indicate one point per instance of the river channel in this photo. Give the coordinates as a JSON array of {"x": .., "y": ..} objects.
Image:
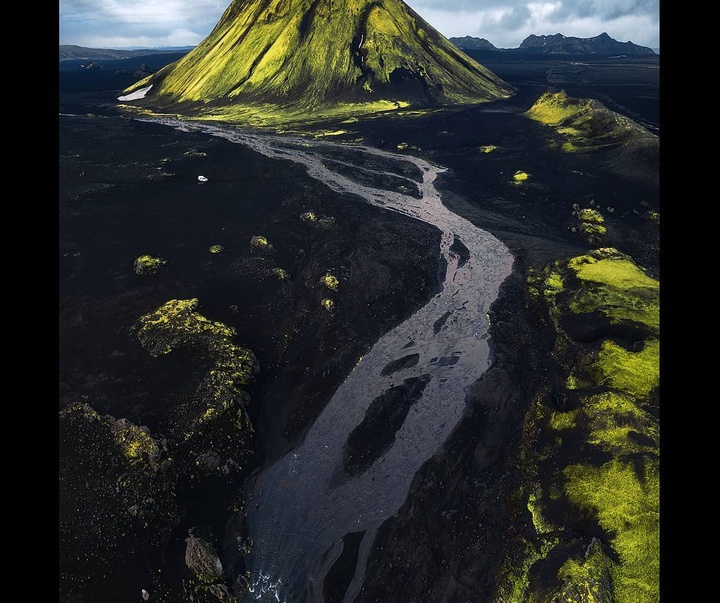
[{"x": 303, "y": 505}]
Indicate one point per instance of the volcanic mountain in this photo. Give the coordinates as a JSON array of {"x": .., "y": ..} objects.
[{"x": 310, "y": 58}]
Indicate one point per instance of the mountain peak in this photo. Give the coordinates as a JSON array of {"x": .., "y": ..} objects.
[{"x": 305, "y": 57}]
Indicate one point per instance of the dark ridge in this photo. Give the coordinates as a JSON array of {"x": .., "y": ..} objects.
[
  {"x": 594, "y": 326},
  {"x": 384, "y": 417},
  {"x": 338, "y": 578},
  {"x": 399, "y": 364},
  {"x": 307, "y": 20},
  {"x": 440, "y": 322}
]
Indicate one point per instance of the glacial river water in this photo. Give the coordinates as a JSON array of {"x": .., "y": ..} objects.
[{"x": 303, "y": 505}]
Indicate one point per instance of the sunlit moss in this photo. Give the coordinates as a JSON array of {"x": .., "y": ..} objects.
[
  {"x": 147, "y": 264},
  {"x": 281, "y": 274},
  {"x": 216, "y": 248},
  {"x": 614, "y": 285},
  {"x": 626, "y": 506},
  {"x": 616, "y": 422},
  {"x": 634, "y": 372},
  {"x": 586, "y": 579},
  {"x": 520, "y": 177},
  {"x": 611, "y": 438},
  {"x": 136, "y": 442},
  {"x": 592, "y": 216},
  {"x": 535, "y": 506},
  {"x": 553, "y": 283},
  {"x": 563, "y": 420},
  {"x": 319, "y": 222},
  {"x": 176, "y": 324},
  {"x": 260, "y": 242},
  {"x": 330, "y": 281},
  {"x": 514, "y": 583},
  {"x": 555, "y": 108},
  {"x": 576, "y": 382}
]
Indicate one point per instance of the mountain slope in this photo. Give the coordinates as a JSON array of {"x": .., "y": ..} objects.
[{"x": 342, "y": 56}]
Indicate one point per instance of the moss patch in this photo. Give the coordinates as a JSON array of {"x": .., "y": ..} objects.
[
  {"x": 147, "y": 264},
  {"x": 599, "y": 429}
]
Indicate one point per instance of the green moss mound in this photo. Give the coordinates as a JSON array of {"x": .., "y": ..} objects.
[
  {"x": 210, "y": 424},
  {"x": 586, "y": 124}
]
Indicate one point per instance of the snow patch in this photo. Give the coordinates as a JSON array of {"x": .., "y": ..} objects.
[{"x": 135, "y": 95}]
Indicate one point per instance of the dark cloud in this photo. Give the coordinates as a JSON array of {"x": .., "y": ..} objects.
[{"x": 516, "y": 18}]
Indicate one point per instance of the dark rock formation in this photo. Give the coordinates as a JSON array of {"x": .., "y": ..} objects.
[{"x": 472, "y": 43}]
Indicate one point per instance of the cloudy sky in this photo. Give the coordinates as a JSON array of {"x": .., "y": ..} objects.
[{"x": 504, "y": 23}]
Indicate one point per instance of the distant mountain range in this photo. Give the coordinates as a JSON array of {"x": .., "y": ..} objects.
[
  {"x": 551, "y": 44},
  {"x": 559, "y": 44},
  {"x": 72, "y": 52}
]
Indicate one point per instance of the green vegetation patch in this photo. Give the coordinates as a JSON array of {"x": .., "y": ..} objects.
[
  {"x": 147, "y": 264},
  {"x": 610, "y": 282},
  {"x": 281, "y": 274},
  {"x": 584, "y": 124},
  {"x": 330, "y": 281},
  {"x": 627, "y": 506},
  {"x": 176, "y": 324},
  {"x": 604, "y": 443},
  {"x": 210, "y": 425},
  {"x": 519, "y": 177},
  {"x": 260, "y": 242}
]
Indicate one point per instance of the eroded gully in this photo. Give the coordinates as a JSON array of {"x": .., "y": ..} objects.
[{"x": 303, "y": 505}]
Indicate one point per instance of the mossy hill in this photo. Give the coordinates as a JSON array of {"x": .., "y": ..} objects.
[
  {"x": 585, "y": 125},
  {"x": 268, "y": 61}
]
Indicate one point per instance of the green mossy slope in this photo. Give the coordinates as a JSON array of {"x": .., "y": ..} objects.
[
  {"x": 590, "y": 454},
  {"x": 278, "y": 60},
  {"x": 586, "y": 124}
]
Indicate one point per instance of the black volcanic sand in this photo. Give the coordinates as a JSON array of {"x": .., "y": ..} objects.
[{"x": 129, "y": 188}]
